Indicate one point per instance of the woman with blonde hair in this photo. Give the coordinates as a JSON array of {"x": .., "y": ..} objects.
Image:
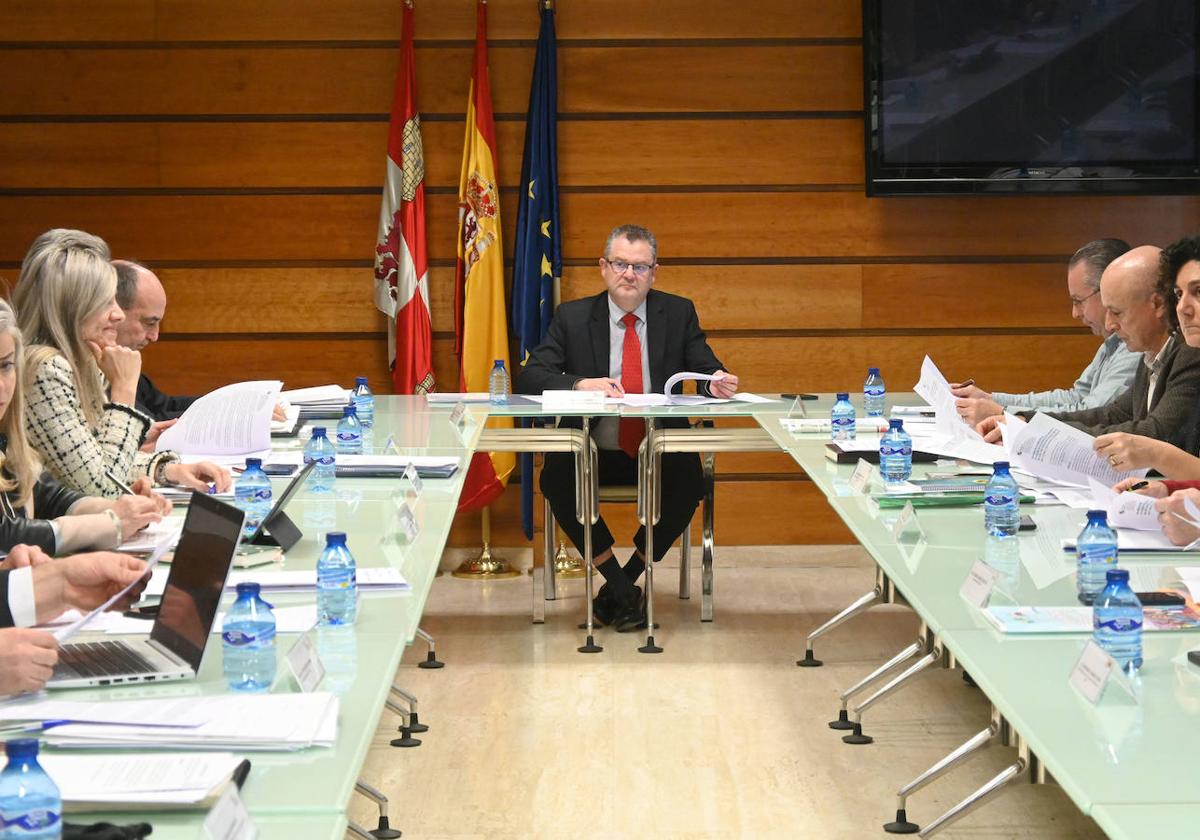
[
  {"x": 67, "y": 311},
  {"x": 67, "y": 521}
]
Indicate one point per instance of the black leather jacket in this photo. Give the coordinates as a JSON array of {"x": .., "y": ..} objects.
[{"x": 50, "y": 500}]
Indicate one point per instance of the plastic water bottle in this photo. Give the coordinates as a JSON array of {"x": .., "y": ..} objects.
[
  {"x": 248, "y": 637},
  {"x": 30, "y": 804},
  {"x": 337, "y": 586},
  {"x": 842, "y": 423},
  {"x": 895, "y": 453},
  {"x": 319, "y": 449},
  {"x": 1001, "y": 515},
  {"x": 349, "y": 432},
  {"x": 498, "y": 388},
  {"x": 1096, "y": 548},
  {"x": 252, "y": 493},
  {"x": 1117, "y": 621},
  {"x": 874, "y": 393},
  {"x": 364, "y": 401}
]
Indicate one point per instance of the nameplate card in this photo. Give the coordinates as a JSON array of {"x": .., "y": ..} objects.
[
  {"x": 860, "y": 479},
  {"x": 459, "y": 414},
  {"x": 413, "y": 479},
  {"x": 406, "y": 523},
  {"x": 797, "y": 408},
  {"x": 573, "y": 401},
  {"x": 1095, "y": 670},
  {"x": 305, "y": 664},
  {"x": 906, "y": 524},
  {"x": 228, "y": 819},
  {"x": 976, "y": 590}
]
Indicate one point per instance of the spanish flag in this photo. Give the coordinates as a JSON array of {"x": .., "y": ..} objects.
[{"x": 481, "y": 328}]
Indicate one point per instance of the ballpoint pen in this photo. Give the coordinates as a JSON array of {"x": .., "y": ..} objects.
[
  {"x": 121, "y": 485},
  {"x": 30, "y": 727}
]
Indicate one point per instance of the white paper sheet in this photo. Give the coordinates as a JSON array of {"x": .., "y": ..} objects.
[
  {"x": 122, "y": 778},
  {"x": 1051, "y": 449},
  {"x": 1125, "y": 510},
  {"x": 235, "y": 419},
  {"x": 65, "y": 633},
  {"x": 316, "y": 395}
]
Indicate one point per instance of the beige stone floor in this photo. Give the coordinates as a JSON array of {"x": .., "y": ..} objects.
[{"x": 720, "y": 736}]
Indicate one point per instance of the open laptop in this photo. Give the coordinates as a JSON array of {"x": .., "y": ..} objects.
[
  {"x": 276, "y": 528},
  {"x": 185, "y": 618}
]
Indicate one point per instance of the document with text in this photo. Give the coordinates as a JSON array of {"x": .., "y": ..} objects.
[
  {"x": 228, "y": 421},
  {"x": 1050, "y": 449}
]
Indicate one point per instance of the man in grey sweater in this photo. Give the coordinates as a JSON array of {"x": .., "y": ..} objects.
[{"x": 1107, "y": 376}]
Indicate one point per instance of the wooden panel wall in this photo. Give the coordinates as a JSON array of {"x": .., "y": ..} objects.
[{"x": 238, "y": 146}]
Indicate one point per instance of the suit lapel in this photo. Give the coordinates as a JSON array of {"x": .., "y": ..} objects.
[
  {"x": 598, "y": 325},
  {"x": 656, "y": 331}
]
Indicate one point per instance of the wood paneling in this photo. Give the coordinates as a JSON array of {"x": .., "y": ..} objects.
[
  {"x": 352, "y": 20},
  {"x": 351, "y": 154},
  {"x": 767, "y": 226},
  {"x": 320, "y": 80}
]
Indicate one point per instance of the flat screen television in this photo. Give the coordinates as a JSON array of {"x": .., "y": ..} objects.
[{"x": 1031, "y": 96}]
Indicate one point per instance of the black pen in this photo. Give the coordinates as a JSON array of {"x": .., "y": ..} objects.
[
  {"x": 966, "y": 384},
  {"x": 121, "y": 485},
  {"x": 1138, "y": 486},
  {"x": 241, "y": 772}
]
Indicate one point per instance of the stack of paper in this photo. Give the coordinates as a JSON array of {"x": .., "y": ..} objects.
[
  {"x": 243, "y": 722},
  {"x": 319, "y": 396},
  {"x": 153, "y": 536},
  {"x": 162, "y": 780},
  {"x": 377, "y": 578}
]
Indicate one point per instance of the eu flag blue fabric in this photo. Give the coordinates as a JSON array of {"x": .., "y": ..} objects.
[{"x": 537, "y": 257}]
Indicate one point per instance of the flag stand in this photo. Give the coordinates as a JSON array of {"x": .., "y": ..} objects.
[
  {"x": 486, "y": 566},
  {"x": 567, "y": 565}
]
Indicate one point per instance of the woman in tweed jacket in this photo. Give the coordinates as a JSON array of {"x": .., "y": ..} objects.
[{"x": 66, "y": 308}]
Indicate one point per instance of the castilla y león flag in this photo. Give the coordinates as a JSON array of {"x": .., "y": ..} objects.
[
  {"x": 481, "y": 326},
  {"x": 401, "y": 262}
]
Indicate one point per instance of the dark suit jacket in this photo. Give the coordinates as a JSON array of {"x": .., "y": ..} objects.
[
  {"x": 577, "y": 345},
  {"x": 1171, "y": 405},
  {"x": 157, "y": 405},
  {"x": 6, "y": 616}
]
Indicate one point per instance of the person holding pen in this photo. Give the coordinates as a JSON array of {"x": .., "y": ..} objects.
[
  {"x": 35, "y": 508},
  {"x": 66, "y": 308}
]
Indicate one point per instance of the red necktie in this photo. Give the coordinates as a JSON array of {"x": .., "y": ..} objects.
[{"x": 632, "y": 429}]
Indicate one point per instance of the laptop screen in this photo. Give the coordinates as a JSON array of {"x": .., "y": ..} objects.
[
  {"x": 197, "y": 579},
  {"x": 281, "y": 501}
]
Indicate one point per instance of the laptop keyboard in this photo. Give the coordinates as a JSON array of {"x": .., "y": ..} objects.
[{"x": 100, "y": 659}]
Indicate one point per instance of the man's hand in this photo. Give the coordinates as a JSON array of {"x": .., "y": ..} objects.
[
  {"x": 989, "y": 427},
  {"x": 975, "y": 410},
  {"x": 968, "y": 392},
  {"x": 198, "y": 476},
  {"x": 135, "y": 513},
  {"x": 145, "y": 487},
  {"x": 1127, "y": 452},
  {"x": 1156, "y": 489},
  {"x": 278, "y": 414},
  {"x": 27, "y": 659},
  {"x": 25, "y": 555},
  {"x": 84, "y": 582},
  {"x": 611, "y": 387},
  {"x": 1171, "y": 509},
  {"x": 156, "y": 429},
  {"x": 725, "y": 387}
]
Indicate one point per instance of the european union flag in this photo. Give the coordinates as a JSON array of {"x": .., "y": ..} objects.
[{"x": 537, "y": 258}]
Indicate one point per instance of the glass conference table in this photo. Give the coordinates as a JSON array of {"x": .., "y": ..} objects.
[
  {"x": 306, "y": 793},
  {"x": 1117, "y": 760}
]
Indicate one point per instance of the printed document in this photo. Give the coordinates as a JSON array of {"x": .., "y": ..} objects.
[
  {"x": 1050, "y": 449},
  {"x": 232, "y": 420}
]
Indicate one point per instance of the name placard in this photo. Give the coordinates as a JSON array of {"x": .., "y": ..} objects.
[
  {"x": 413, "y": 479},
  {"x": 305, "y": 664},
  {"x": 860, "y": 479},
  {"x": 228, "y": 819},
  {"x": 1095, "y": 670},
  {"x": 458, "y": 415},
  {"x": 906, "y": 523},
  {"x": 406, "y": 522},
  {"x": 976, "y": 590}
]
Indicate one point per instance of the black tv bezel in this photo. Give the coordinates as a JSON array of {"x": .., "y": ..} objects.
[{"x": 890, "y": 180}]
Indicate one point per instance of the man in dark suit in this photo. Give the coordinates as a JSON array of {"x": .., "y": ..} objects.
[
  {"x": 143, "y": 299},
  {"x": 629, "y": 338}
]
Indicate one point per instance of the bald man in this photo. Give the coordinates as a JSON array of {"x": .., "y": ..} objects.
[
  {"x": 142, "y": 296},
  {"x": 1167, "y": 382}
]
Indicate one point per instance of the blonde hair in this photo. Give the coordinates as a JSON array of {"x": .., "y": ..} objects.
[
  {"x": 65, "y": 279},
  {"x": 21, "y": 466}
]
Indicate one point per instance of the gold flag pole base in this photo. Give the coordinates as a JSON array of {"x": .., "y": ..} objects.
[
  {"x": 486, "y": 566},
  {"x": 566, "y": 565}
]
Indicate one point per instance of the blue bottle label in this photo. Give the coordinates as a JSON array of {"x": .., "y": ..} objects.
[
  {"x": 238, "y": 638},
  {"x": 997, "y": 499},
  {"x": 1120, "y": 625},
  {"x": 874, "y": 391},
  {"x": 349, "y": 437},
  {"x": 38, "y": 819},
  {"x": 891, "y": 449}
]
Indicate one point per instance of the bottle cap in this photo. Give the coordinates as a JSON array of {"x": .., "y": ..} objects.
[
  {"x": 360, "y": 380},
  {"x": 896, "y": 423},
  {"x": 350, "y": 411},
  {"x": 335, "y": 538},
  {"x": 871, "y": 371},
  {"x": 1098, "y": 516},
  {"x": 318, "y": 431},
  {"x": 1000, "y": 465},
  {"x": 843, "y": 396},
  {"x": 1117, "y": 576},
  {"x": 253, "y": 462},
  {"x": 247, "y": 589},
  {"x": 499, "y": 363},
  {"x": 21, "y": 748}
]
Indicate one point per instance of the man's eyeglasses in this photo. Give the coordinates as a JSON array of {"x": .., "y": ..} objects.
[
  {"x": 1081, "y": 301},
  {"x": 620, "y": 266}
]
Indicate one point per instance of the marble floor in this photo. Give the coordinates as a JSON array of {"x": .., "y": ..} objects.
[{"x": 719, "y": 736}]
